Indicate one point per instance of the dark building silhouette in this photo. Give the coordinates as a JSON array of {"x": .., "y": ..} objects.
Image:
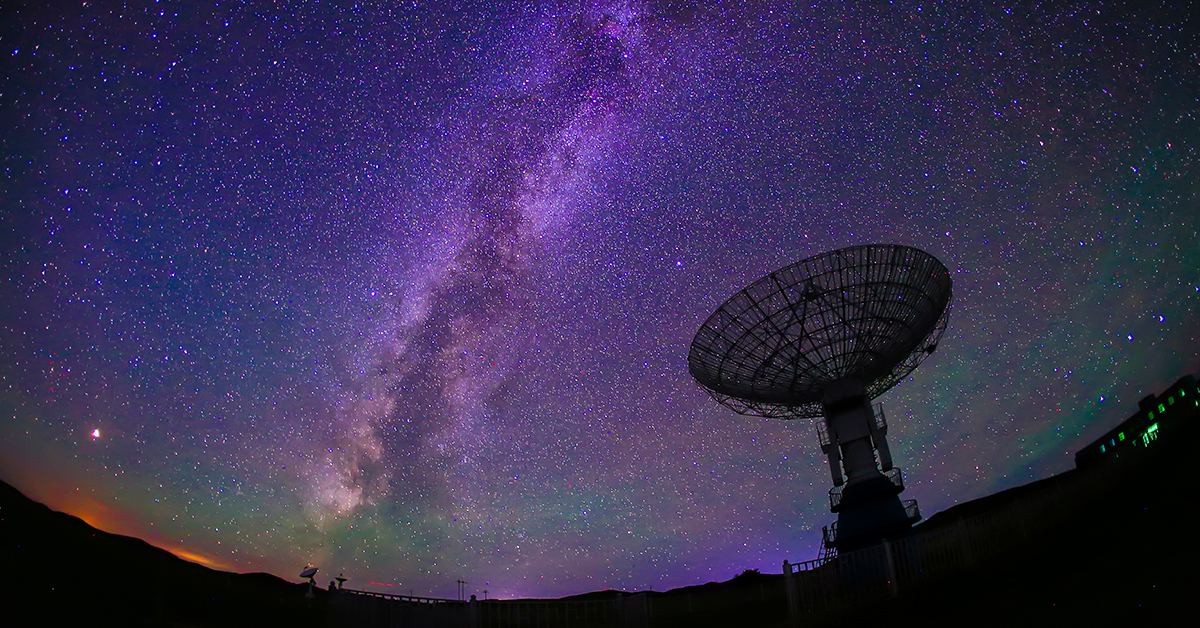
[{"x": 1157, "y": 417}]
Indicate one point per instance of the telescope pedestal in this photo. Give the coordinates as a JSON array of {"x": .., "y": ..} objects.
[{"x": 869, "y": 507}]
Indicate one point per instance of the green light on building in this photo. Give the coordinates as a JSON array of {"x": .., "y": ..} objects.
[
  {"x": 1162, "y": 408},
  {"x": 1121, "y": 436},
  {"x": 1150, "y": 434}
]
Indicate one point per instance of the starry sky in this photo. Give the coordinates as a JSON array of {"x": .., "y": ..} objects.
[{"x": 405, "y": 290}]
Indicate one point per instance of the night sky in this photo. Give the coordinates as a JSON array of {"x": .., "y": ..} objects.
[{"x": 405, "y": 290}]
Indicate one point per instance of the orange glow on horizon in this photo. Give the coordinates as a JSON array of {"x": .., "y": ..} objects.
[
  {"x": 115, "y": 521},
  {"x": 60, "y": 488},
  {"x": 121, "y": 525},
  {"x": 195, "y": 558}
]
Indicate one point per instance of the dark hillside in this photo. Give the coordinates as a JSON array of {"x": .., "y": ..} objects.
[{"x": 71, "y": 574}]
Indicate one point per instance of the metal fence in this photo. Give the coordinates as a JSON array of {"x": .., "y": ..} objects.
[
  {"x": 367, "y": 609},
  {"x": 849, "y": 579},
  {"x": 547, "y": 613}
]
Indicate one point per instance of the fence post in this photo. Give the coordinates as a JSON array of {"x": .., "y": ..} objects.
[
  {"x": 964, "y": 542},
  {"x": 789, "y": 588},
  {"x": 893, "y": 586}
]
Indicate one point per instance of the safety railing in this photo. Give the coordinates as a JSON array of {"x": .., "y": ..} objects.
[
  {"x": 403, "y": 598},
  {"x": 829, "y": 535},
  {"x": 822, "y": 431}
]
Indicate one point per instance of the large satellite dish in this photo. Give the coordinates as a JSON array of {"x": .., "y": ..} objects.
[
  {"x": 821, "y": 338},
  {"x": 869, "y": 312}
]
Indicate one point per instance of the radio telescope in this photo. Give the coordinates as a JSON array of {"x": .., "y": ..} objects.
[{"x": 819, "y": 340}]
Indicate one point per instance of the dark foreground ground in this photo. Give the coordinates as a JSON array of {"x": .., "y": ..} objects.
[
  {"x": 1128, "y": 556},
  {"x": 70, "y": 574}
]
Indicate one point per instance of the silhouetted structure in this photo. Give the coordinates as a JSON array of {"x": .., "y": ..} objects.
[{"x": 821, "y": 338}]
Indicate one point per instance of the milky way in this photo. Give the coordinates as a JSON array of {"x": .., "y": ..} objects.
[{"x": 406, "y": 291}]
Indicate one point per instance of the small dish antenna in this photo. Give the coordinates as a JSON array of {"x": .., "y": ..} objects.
[{"x": 309, "y": 572}]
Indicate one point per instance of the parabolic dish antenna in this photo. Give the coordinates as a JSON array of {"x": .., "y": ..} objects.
[
  {"x": 821, "y": 338},
  {"x": 872, "y": 313}
]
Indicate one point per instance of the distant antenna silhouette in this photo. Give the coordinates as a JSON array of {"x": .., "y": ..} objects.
[
  {"x": 820, "y": 339},
  {"x": 309, "y": 572}
]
